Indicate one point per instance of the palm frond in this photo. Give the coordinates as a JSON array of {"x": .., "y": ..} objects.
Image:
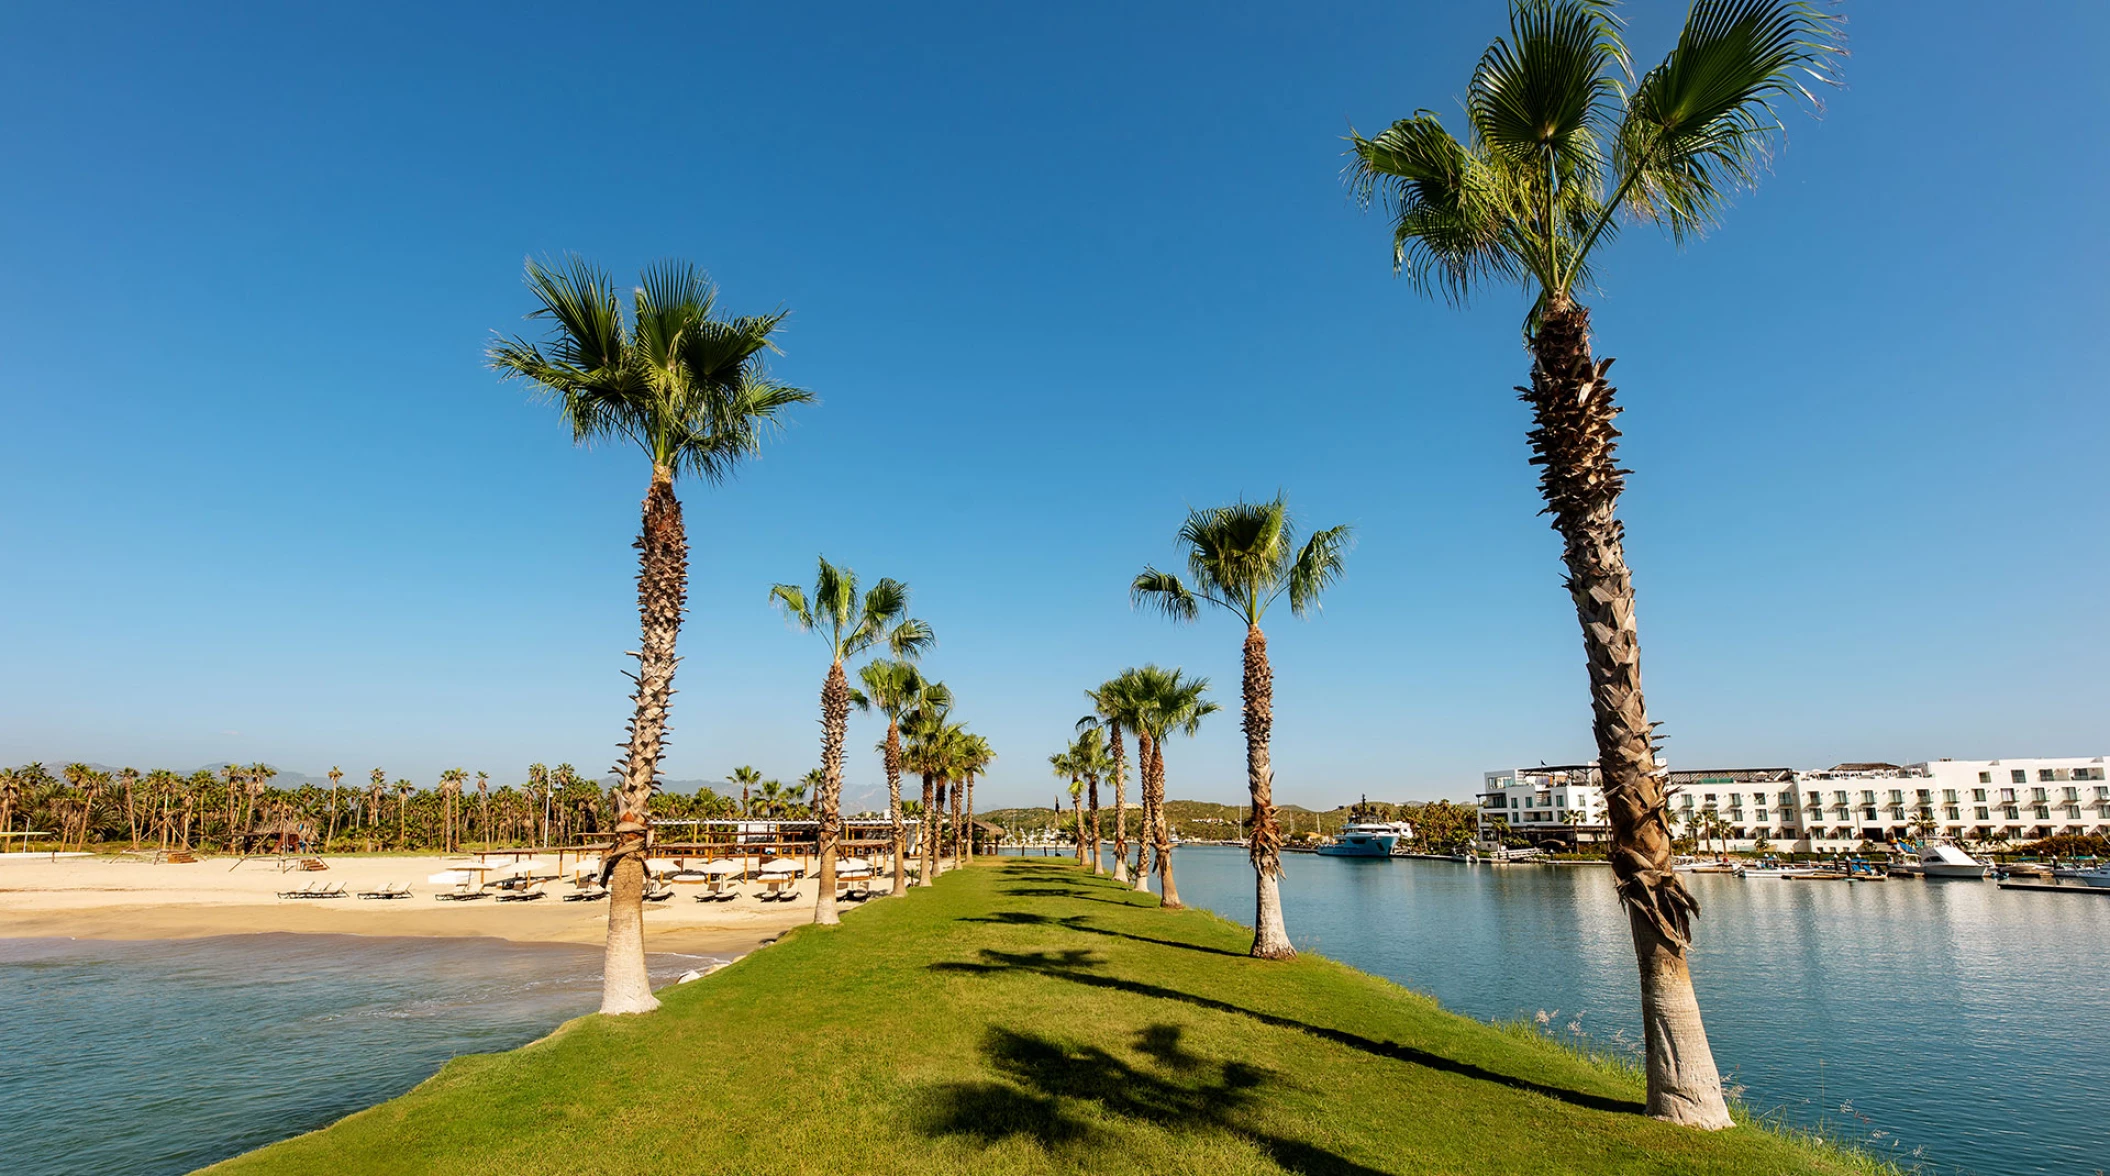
[
  {"x": 1446, "y": 207},
  {"x": 792, "y": 600},
  {"x": 1702, "y": 125},
  {"x": 1164, "y": 592},
  {"x": 911, "y": 638},
  {"x": 1318, "y": 566},
  {"x": 859, "y": 700},
  {"x": 834, "y": 597}
]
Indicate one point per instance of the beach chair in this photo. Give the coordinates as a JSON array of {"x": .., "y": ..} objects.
[
  {"x": 527, "y": 893},
  {"x": 463, "y": 892},
  {"x": 657, "y": 891},
  {"x": 307, "y": 891},
  {"x": 388, "y": 890},
  {"x": 719, "y": 889},
  {"x": 336, "y": 891},
  {"x": 587, "y": 893}
]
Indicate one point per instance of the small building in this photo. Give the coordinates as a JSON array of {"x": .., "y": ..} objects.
[{"x": 279, "y": 835}]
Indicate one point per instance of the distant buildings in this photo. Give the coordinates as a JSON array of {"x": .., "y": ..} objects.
[{"x": 1817, "y": 811}]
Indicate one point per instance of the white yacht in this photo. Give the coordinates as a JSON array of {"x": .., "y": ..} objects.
[
  {"x": 1947, "y": 861},
  {"x": 1368, "y": 839}
]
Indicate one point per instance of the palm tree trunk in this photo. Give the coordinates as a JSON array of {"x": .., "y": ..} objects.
[
  {"x": 1120, "y": 808},
  {"x": 1270, "y": 936},
  {"x": 835, "y": 721},
  {"x": 1147, "y": 835},
  {"x": 1077, "y": 816},
  {"x": 662, "y": 590},
  {"x": 893, "y": 802},
  {"x": 1573, "y": 442},
  {"x": 1091, "y": 788},
  {"x": 1168, "y": 893},
  {"x": 927, "y": 831},
  {"x": 967, "y": 830},
  {"x": 957, "y": 788}
]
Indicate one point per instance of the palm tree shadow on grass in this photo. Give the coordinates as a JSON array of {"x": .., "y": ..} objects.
[
  {"x": 1062, "y": 892},
  {"x": 1076, "y": 923},
  {"x": 1071, "y": 965},
  {"x": 1039, "y": 1080}
]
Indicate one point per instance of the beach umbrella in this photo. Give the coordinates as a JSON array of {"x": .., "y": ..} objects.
[
  {"x": 660, "y": 867},
  {"x": 721, "y": 868},
  {"x": 782, "y": 866}
]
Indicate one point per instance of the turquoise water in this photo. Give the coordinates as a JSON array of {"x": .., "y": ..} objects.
[
  {"x": 1950, "y": 1025},
  {"x": 162, "y": 1056}
]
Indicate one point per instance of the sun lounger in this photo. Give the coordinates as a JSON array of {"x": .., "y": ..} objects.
[
  {"x": 587, "y": 894},
  {"x": 388, "y": 890},
  {"x": 307, "y": 891},
  {"x": 719, "y": 889},
  {"x": 463, "y": 892},
  {"x": 778, "y": 887},
  {"x": 523, "y": 894},
  {"x": 657, "y": 891}
]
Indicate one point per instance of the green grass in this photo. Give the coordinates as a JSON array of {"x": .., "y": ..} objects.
[{"x": 1025, "y": 1017}]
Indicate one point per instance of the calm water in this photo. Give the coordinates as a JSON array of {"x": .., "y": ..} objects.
[
  {"x": 162, "y": 1056},
  {"x": 1950, "y": 1024}
]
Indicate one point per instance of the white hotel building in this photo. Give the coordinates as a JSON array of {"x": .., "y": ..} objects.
[{"x": 1819, "y": 811}]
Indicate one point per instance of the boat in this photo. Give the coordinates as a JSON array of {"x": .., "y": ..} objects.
[
  {"x": 1777, "y": 870},
  {"x": 1368, "y": 839},
  {"x": 1942, "y": 860},
  {"x": 1687, "y": 864},
  {"x": 2099, "y": 876}
]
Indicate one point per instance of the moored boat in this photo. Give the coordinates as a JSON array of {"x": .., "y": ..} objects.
[
  {"x": 1942, "y": 860},
  {"x": 1368, "y": 839}
]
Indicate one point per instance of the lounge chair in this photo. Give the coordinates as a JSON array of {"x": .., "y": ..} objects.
[
  {"x": 388, "y": 890},
  {"x": 657, "y": 891},
  {"x": 307, "y": 891},
  {"x": 587, "y": 893},
  {"x": 336, "y": 891},
  {"x": 527, "y": 893},
  {"x": 719, "y": 889},
  {"x": 462, "y": 892}
]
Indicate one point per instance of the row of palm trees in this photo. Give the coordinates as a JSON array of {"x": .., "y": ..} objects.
[{"x": 1565, "y": 144}]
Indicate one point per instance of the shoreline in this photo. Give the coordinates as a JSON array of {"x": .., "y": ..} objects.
[{"x": 104, "y": 898}]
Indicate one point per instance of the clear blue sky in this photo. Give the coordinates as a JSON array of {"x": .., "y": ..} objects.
[{"x": 1055, "y": 273}]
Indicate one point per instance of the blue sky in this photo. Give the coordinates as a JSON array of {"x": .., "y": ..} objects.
[{"x": 1056, "y": 274}]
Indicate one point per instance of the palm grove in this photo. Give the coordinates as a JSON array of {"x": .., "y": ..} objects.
[{"x": 1564, "y": 145}]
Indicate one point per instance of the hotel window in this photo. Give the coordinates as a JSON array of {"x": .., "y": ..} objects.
[
  {"x": 1985, "y": 777},
  {"x": 2010, "y": 813},
  {"x": 2018, "y": 776},
  {"x": 1949, "y": 813},
  {"x": 1710, "y": 798},
  {"x": 1760, "y": 815},
  {"x": 2087, "y": 773},
  {"x": 2043, "y": 813},
  {"x": 2073, "y": 812},
  {"x": 1948, "y": 795},
  {"x": 2007, "y": 795},
  {"x": 2037, "y": 794},
  {"x": 2071, "y": 793},
  {"x": 1923, "y": 795},
  {"x": 1978, "y": 793},
  {"x": 1838, "y": 798},
  {"x": 2102, "y": 793},
  {"x": 1897, "y": 796},
  {"x": 1867, "y": 796},
  {"x": 1978, "y": 814},
  {"x": 2044, "y": 774}
]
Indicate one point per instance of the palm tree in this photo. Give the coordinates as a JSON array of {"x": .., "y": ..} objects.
[
  {"x": 403, "y": 790},
  {"x": 483, "y": 802},
  {"x": 895, "y": 688},
  {"x": 1243, "y": 558},
  {"x": 1168, "y": 701},
  {"x": 1092, "y": 763},
  {"x": 1565, "y": 142},
  {"x": 1064, "y": 764},
  {"x": 746, "y": 777},
  {"x": 129, "y": 777},
  {"x": 1113, "y": 708},
  {"x": 335, "y": 774},
  {"x": 932, "y": 752},
  {"x": 377, "y": 780},
  {"x": 975, "y": 756},
  {"x": 850, "y": 624},
  {"x": 689, "y": 390},
  {"x": 450, "y": 792}
]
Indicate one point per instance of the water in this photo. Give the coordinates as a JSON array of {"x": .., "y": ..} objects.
[
  {"x": 1950, "y": 1025},
  {"x": 163, "y": 1056}
]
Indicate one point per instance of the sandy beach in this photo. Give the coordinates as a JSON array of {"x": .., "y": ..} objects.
[{"x": 128, "y": 898}]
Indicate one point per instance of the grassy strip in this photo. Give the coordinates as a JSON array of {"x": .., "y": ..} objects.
[{"x": 1022, "y": 1016}]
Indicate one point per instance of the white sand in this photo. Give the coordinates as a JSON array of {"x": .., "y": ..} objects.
[{"x": 111, "y": 898}]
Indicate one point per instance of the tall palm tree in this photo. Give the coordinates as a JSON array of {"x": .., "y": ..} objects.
[
  {"x": 1113, "y": 708},
  {"x": 377, "y": 780},
  {"x": 688, "y": 389},
  {"x": 922, "y": 730},
  {"x": 1093, "y": 762},
  {"x": 1241, "y": 559},
  {"x": 1064, "y": 764},
  {"x": 896, "y": 688},
  {"x": 450, "y": 794},
  {"x": 746, "y": 777},
  {"x": 1564, "y": 143},
  {"x": 403, "y": 790},
  {"x": 129, "y": 778},
  {"x": 483, "y": 802},
  {"x": 335, "y": 774},
  {"x": 1168, "y": 701},
  {"x": 975, "y": 756},
  {"x": 850, "y": 624}
]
